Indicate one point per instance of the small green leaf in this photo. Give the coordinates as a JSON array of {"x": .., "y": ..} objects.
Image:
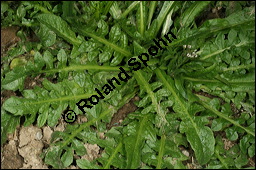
[
  {"x": 251, "y": 151},
  {"x": 52, "y": 157},
  {"x": 231, "y": 134},
  {"x": 59, "y": 26},
  {"x": 48, "y": 58},
  {"x": 67, "y": 157},
  {"x": 241, "y": 161},
  {"x": 4, "y": 7},
  {"x": 9, "y": 123},
  {"x": 46, "y": 36},
  {"x": 85, "y": 164},
  {"x": 21, "y": 11},
  {"x": 217, "y": 124},
  {"x": 78, "y": 147},
  {"x": 38, "y": 60},
  {"x": 17, "y": 62},
  {"x": 41, "y": 120},
  {"x": 14, "y": 80},
  {"x": 115, "y": 33},
  {"x": 232, "y": 35}
]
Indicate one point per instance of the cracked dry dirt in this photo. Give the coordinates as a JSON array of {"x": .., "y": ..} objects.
[{"x": 23, "y": 149}]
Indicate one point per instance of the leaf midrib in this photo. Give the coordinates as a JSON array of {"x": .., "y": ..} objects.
[
  {"x": 83, "y": 96},
  {"x": 160, "y": 75},
  {"x": 68, "y": 68},
  {"x": 180, "y": 103},
  {"x": 138, "y": 139},
  {"x": 106, "y": 42},
  {"x": 113, "y": 156}
]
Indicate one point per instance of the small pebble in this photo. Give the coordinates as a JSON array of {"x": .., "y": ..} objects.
[
  {"x": 39, "y": 135},
  {"x": 185, "y": 152}
]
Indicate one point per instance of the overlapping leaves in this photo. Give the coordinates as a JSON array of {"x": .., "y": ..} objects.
[{"x": 169, "y": 114}]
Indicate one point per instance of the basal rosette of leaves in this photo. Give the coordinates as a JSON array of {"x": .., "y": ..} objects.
[{"x": 82, "y": 45}]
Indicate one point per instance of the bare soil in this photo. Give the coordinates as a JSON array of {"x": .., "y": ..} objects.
[
  {"x": 122, "y": 113},
  {"x": 8, "y": 38}
]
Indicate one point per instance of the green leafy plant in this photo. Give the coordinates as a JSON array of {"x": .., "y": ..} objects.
[{"x": 184, "y": 101}]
